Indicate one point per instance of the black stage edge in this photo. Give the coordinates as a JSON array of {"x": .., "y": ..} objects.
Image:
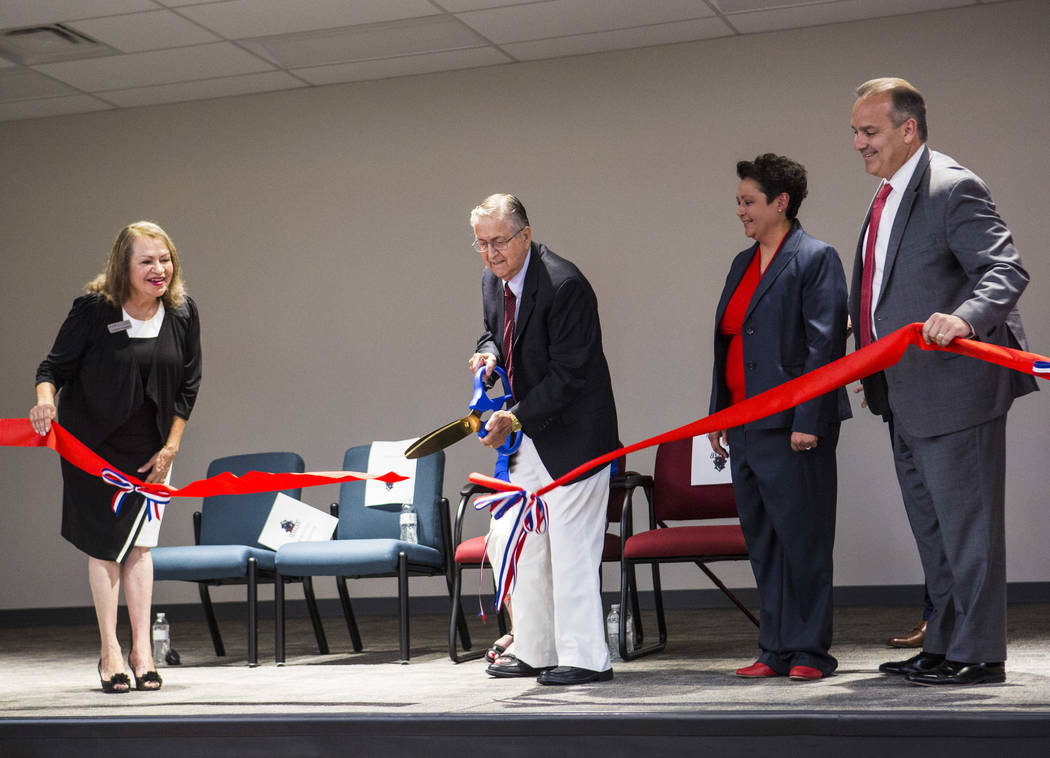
[
  {"x": 854, "y": 596},
  {"x": 719, "y": 735}
]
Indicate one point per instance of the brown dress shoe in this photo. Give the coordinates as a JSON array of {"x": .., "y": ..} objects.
[{"x": 915, "y": 638}]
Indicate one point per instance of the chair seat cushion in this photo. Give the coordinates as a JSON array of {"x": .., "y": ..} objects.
[
  {"x": 198, "y": 562},
  {"x": 366, "y": 557},
  {"x": 687, "y": 542},
  {"x": 470, "y": 551}
]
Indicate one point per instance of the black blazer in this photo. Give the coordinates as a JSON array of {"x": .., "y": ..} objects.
[
  {"x": 99, "y": 380},
  {"x": 561, "y": 379},
  {"x": 795, "y": 323}
]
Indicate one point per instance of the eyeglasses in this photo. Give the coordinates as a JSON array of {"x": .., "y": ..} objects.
[{"x": 483, "y": 246}]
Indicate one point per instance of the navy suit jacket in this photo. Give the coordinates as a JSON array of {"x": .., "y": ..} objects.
[
  {"x": 795, "y": 323},
  {"x": 561, "y": 379},
  {"x": 949, "y": 252}
]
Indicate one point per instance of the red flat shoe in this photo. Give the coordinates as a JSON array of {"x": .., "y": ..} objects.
[
  {"x": 757, "y": 670},
  {"x": 805, "y": 673}
]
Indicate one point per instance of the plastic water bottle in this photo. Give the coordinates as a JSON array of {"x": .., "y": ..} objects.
[
  {"x": 408, "y": 524},
  {"x": 612, "y": 631},
  {"x": 161, "y": 638}
]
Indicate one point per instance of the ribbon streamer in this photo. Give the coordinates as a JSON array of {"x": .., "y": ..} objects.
[
  {"x": 530, "y": 517},
  {"x": 18, "y": 432},
  {"x": 125, "y": 487},
  {"x": 864, "y": 362}
]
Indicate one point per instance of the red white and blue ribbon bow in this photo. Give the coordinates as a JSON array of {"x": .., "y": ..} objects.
[
  {"x": 124, "y": 487},
  {"x": 531, "y": 516}
]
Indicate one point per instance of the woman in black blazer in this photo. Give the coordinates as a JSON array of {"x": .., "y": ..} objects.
[
  {"x": 783, "y": 314},
  {"x": 125, "y": 368}
]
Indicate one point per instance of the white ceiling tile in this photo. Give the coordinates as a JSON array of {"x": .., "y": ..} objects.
[
  {"x": 621, "y": 39},
  {"x": 558, "y": 18},
  {"x": 403, "y": 66},
  {"x": 15, "y": 13},
  {"x": 136, "y": 32},
  {"x": 736, "y": 6},
  {"x": 26, "y": 84},
  {"x": 834, "y": 13},
  {"x": 52, "y": 106},
  {"x": 157, "y": 67},
  {"x": 4, "y": 62},
  {"x": 406, "y": 37},
  {"x": 203, "y": 90},
  {"x": 236, "y": 19}
]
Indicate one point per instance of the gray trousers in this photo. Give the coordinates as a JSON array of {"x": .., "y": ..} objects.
[{"x": 954, "y": 489}]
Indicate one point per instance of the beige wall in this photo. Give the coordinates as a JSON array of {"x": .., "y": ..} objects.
[{"x": 324, "y": 235}]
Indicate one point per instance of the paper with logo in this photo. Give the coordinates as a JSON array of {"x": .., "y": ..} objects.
[
  {"x": 390, "y": 456},
  {"x": 707, "y": 467},
  {"x": 292, "y": 520}
]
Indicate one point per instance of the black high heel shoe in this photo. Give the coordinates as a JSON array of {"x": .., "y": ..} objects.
[
  {"x": 116, "y": 684},
  {"x": 148, "y": 678}
]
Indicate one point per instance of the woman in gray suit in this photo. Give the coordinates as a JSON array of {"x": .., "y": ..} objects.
[{"x": 782, "y": 314}]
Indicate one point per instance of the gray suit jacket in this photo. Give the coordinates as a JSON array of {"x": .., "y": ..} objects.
[{"x": 949, "y": 252}]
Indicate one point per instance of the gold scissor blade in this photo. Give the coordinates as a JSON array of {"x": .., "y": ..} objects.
[{"x": 441, "y": 438}]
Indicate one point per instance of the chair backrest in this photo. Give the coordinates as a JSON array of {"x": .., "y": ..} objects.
[
  {"x": 238, "y": 519},
  {"x": 356, "y": 521},
  {"x": 675, "y": 499}
]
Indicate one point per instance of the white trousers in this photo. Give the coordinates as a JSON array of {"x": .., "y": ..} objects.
[{"x": 557, "y": 602}]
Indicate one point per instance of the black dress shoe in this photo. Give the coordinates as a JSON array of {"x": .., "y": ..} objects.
[
  {"x": 511, "y": 668},
  {"x": 573, "y": 675},
  {"x": 915, "y": 665},
  {"x": 954, "y": 672}
]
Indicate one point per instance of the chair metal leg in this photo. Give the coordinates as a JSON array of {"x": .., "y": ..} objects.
[
  {"x": 458, "y": 622},
  {"x": 253, "y": 615},
  {"x": 315, "y": 615},
  {"x": 278, "y": 616},
  {"x": 348, "y": 613},
  {"x": 402, "y": 593},
  {"x": 629, "y": 597},
  {"x": 728, "y": 593},
  {"x": 209, "y": 616}
]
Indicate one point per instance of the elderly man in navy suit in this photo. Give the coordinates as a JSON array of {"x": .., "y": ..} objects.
[
  {"x": 541, "y": 326},
  {"x": 933, "y": 249}
]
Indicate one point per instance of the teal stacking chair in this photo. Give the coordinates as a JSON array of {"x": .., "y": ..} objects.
[
  {"x": 226, "y": 548},
  {"x": 367, "y": 544}
]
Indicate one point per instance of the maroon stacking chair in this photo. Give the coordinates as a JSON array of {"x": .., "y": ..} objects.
[
  {"x": 470, "y": 553},
  {"x": 672, "y": 498}
]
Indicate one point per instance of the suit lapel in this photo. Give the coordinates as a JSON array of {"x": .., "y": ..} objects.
[
  {"x": 900, "y": 221},
  {"x": 528, "y": 293},
  {"x": 788, "y": 250}
]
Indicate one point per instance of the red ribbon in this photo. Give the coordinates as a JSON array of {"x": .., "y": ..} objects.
[{"x": 18, "y": 432}]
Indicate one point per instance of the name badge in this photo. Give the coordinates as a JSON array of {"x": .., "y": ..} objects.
[{"x": 119, "y": 326}]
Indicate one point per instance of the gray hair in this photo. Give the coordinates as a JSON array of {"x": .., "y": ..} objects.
[{"x": 502, "y": 206}]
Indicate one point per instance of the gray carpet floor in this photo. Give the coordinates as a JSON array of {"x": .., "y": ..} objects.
[{"x": 48, "y": 672}]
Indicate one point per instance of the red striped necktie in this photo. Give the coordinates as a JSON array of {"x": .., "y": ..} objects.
[{"x": 868, "y": 272}]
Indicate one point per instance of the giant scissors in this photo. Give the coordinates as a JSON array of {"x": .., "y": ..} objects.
[{"x": 480, "y": 404}]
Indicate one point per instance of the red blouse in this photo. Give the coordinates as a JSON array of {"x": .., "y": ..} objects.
[{"x": 732, "y": 324}]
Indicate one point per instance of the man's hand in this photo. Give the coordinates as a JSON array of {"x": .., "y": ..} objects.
[
  {"x": 718, "y": 442},
  {"x": 498, "y": 427},
  {"x": 488, "y": 360},
  {"x": 941, "y": 328},
  {"x": 800, "y": 441}
]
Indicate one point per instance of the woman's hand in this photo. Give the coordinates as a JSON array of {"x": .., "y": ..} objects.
[
  {"x": 41, "y": 415},
  {"x": 800, "y": 441},
  {"x": 718, "y": 442},
  {"x": 159, "y": 465}
]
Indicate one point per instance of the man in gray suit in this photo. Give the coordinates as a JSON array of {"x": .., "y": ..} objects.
[{"x": 934, "y": 250}]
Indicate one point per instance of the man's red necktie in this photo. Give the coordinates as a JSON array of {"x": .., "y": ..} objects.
[
  {"x": 509, "y": 306},
  {"x": 868, "y": 272}
]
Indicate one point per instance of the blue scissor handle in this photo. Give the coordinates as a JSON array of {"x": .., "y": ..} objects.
[{"x": 481, "y": 402}]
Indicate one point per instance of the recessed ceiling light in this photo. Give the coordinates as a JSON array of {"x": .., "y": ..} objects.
[{"x": 30, "y": 45}]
